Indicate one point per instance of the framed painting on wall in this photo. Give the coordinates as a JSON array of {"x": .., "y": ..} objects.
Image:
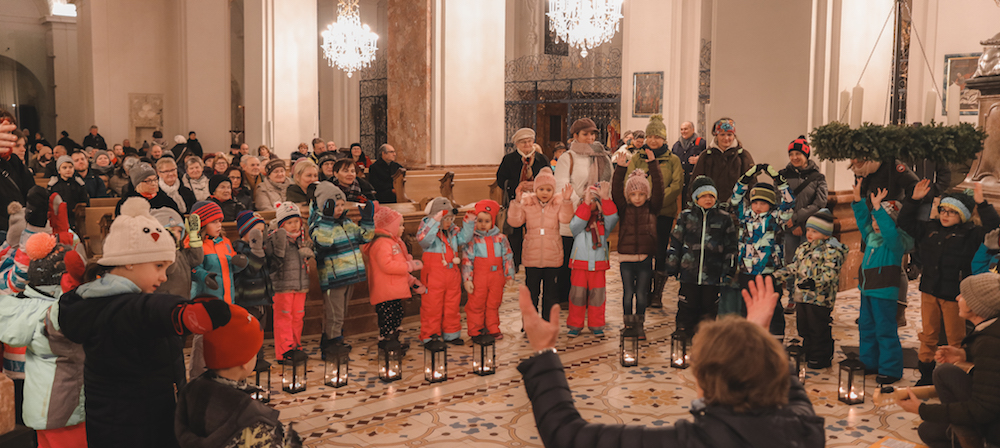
[
  {"x": 647, "y": 93},
  {"x": 959, "y": 68}
]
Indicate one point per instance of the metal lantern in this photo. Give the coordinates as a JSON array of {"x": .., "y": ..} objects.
[
  {"x": 851, "y": 380},
  {"x": 336, "y": 365},
  {"x": 797, "y": 359},
  {"x": 680, "y": 346},
  {"x": 293, "y": 372},
  {"x": 262, "y": 381},
  {"x": 484, "y": 354},
  {"x": 630, "y": 346},
  {"x": 435, "y": 360},
  {"x": 390, "y": 360}
]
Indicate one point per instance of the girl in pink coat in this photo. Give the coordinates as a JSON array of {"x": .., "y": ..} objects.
[
  {"x": 542, "y": 254},
  {"x": 389, "y": 266}
]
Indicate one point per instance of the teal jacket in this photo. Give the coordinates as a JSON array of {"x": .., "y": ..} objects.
[
  {"x": 587, "y": 254},
  {"x": 337, "y": 243},
  {"x": 53, "y": 381},
  {"x": 882, "y": 264}
]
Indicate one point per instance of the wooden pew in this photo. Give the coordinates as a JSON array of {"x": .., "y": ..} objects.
[{"x": 104, "y": 202}]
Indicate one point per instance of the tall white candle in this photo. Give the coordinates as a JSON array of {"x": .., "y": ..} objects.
[
  {"x": 930, "y": 106},
  {"x": 954, "y": 95},
  {"x": 857, "y": 105},
  {"x": 845, "y": 103}
]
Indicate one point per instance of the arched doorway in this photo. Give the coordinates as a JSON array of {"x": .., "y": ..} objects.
[{"x": 25, "y": 96}]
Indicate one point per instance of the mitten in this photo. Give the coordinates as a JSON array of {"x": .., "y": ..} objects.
[
  {"x": 807, "y": 285},
  {"x": 749, "y": 175},
  {"x": 204, "y": 315},
  {"x": 210, "y": 280},
  {"x": 256, "y": 242},
  {"x": 776, "y": 175},
  {"x": 58, "y": 218},
  {"x": 239, "y": 260},
  {"x": 368, "y": 212},
  {"x": 37, "y": 212},
  {"x": 75, "y": 266},
  {"x": 414, "y": 265},
  {"x": 329, "y": 208},
  {"x": 306, "y": 253},
  {"x": 417, "y": 287},
  {"x": 193, "y": 228},
  {"x": 280, "y": 242}
]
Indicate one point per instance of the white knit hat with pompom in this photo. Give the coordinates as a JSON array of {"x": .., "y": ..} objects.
[{"x": 137, "y": 237}]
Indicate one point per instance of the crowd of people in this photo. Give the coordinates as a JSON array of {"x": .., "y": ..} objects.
[{"x": 112, "y": 329}]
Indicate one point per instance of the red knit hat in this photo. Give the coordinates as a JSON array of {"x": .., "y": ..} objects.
[
  {"x": 801, "y": 145},
  {"x": 208, "y": 211},
  {"x": 488, "y": 206},
  {"x": 235, "y": 343}
]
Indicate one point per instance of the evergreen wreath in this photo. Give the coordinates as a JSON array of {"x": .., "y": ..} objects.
[{"x": 932, "y": 142}]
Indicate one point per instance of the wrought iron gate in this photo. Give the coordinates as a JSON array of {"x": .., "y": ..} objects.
[
  {"x": 374, "y": 106},
  {"x": 589, "y": 87}
]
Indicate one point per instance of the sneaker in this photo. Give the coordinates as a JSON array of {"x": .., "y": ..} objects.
[
  {"x": 598, "y": 332},
  {"x": 456, "y": 341},
  {"x": 573, "y": 333}
]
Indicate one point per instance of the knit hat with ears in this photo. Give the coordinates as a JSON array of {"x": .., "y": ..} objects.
[
  {"x": 545, "y": 177},
  {"x": 438, "y": 204},
  {"x": 137, "y": 237},
  {"x": 387, "y": 219},
  {"x": 488, "y": 206},
  {"x": 637, "y": 182},
  {"x": 283, "y": 211},
  {"x": 235, "y": 343}
]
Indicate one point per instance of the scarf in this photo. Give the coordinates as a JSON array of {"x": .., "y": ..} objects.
[
  {"x": 198, "y": 186},
  {"x": 148, "y": 196},
  {"x": 600, "y": 163},
  {"x": 352, "y": 192},
  {"x": 526, "y": 172},
  {"x": 175, "y": 194},
  {"x": 687, "y": 142},
  {"x": 596, "y": 228}
]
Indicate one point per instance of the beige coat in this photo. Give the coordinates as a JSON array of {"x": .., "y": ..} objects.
[{"x": 542, "y": 247}]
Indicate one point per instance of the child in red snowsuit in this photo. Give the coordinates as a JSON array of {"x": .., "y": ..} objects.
[
  {"x": 589, "y": 259},
  {"x": 487, "y": 265},
  {"x": 442, "y": 242}
]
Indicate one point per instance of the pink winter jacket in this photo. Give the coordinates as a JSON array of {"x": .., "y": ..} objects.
[
  {"x": 542, "y": 246},
  {"x": 388, "y": 273}
]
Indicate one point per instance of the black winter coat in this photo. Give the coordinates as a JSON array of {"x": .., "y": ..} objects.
[
  {"x": 560, "y": 424},
  {"x": 72, "y": 191},
  {"x": 696, "y": 148},
  {"x": 703, "y": 247},
  {"x": 380, "y": 176},
  {"x": 896, "y": 177},
  {"x": 94, "y": 141},
  {"x": 509, "y": 171},
  {"x": 252, "y": 286},
  {"x": 810, "y": 198},
  {"x": 15, "y": 181},
  {"x": 194, "y": 146},
  {"x": 230, "y": 208},
  {"x": 134, "y": 364},
  {"x": 243, "y": 195},
  {"x": 211, "y": 414},
  {"x": 160, "y": 200},
  {"x": 946, "y": 252},
  {"x": 94, "y": 185},
  {"x": 68, "y": 143}
]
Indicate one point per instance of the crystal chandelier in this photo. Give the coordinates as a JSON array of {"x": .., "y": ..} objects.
[
  {"x": 585, "y": 24},
  {"x": 347, "y": 44}
]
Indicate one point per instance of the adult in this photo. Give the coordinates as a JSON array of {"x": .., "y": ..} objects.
[
  {"x": 194, "y": 145},
  {"x": 586, "y": 163},
  {"x": 300, "y": 152},
  {"x": 331, "y": 146},
  {"x": 319, "y": 148},
  {"x": 40, "y": 162},
  {"x": 67, "y": 142},
  {"x": 381, "y": 172},
  {"x": 672, "y": 174},
  {"x": 251, "y": 168},
  {"x": 272, "y": 189},
  {"x": 520, "y": 165},
  {"x": 631, "y": 145},
  {"x": 159, "y": 140},
  {"x": 356, "y": 189},
  {"x": 326, "y": 166},
  {"x": 155, "y": 152},
  {"x": 57, "y": 152},
  {"x": 126, "y": 144},
  {"x": 94, "y": 139},
  {"x": 15, "y": 178},
  {"x": 360, "y": 158},
  {"x": 118, "y": 154},
  {"x": 241, "y": 192},
  {"x": 725, "y": 160},
  {"x": 103, "y": 163},
  {"x": 20, "y": 148},
  {"x": 970, "y": 402},
  {"x": 809, "y": 188},
  {"x": 119, "y": 184},
  {"x": 146, "y": 184},
  {"x": 236, "y": 152},
  {"x": 304, "y": 174},
  {"x": 222, "y": 194},
  {"x": 171, "y": 185},
  {"x": 219, "y": 163},
  {"x": 688, "y": 148},
  {"x": 742, "y": 400},
  {"x": 94, "y": 185},
  {"x": 265, "y": 153},
  {"x": 181, "y": 151},
  {"x": 195, "y": 178}
]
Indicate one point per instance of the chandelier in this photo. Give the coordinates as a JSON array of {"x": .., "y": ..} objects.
[
  {"x": 347, "y": 44},
  {"x": 585, "y": 24}
]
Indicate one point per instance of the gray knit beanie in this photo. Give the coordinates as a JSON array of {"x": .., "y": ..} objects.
[
  {"x": 140, "y": 172},
  {"x": 982, "y": 294}
]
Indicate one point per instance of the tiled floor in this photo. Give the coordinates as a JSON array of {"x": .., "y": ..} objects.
[{"x": 494, "y": 410}]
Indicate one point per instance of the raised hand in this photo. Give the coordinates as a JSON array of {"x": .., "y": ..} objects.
[
  {"x": 977, "y": 192},
  {"x": 541, "y": 334},
  {"x": 649, "y": 155},
  {"x": 921, "y": 189},
  {"x": 7, "y": 138},
  {"x": 567, "y": 192},
  {"x": 878, "y": 197},
  {"x": 621, "y": 159},
  {"x": 605, "y": 190},
  {"x": 439, "y": 215},
  {"x": 857, "y": 190},
  {"x": 992, "y": 240},
  {"x": 760, "y": 299}
]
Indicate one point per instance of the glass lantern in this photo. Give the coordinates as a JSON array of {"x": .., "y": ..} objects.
[
  {"x": 851, "y": 380},
  {"x": 435, "y": 360},
  {"x": 390, "y": 360},
  {"x": 293, "y": 372},
  {"x": 484, "y": 354},
  {"x": 680, "y": 347},
  {"x": 797, "y": 359},
  {"x": 262, "y": 381},
  {"x": 336, "y": 365},
  {"x": 630, "y": 346}
]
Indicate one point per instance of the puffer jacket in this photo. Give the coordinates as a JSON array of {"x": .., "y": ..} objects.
[
  {"x": 252, "y": 286},
  {"x": 560, "y": 425},
  {"x": 703, "y": 247},
  {"x": 429, "y": 236},
  {"x": 723, "y": 167},
  {"x": 503, "y": 256},
  {"x": 985, "y": 260},
  {"x": 896, "y": 177},
  {"x": 179, "y": 272},
  {"x": 290, "y": 271},
  {"x": 821, "y": 261},
  {"x": 671, "y": 178},
  {"x": 812, "y": 197},
  {"x": 881, "y": 266},
  {"x": 388, "y": 273},
  {"x": 637, "y": 232},
  {"x": 218, "y": 253},
  {"x": 542, "y": 246},
  {"x": 946, "y": 253},
  {"x": 338, "y": 243},
  {"x": 761, "y": 252},
  {"x": 585, "y": 256},
  {"x": 30, "y": 319},
  {"x": 269, "y": 193},
  {"x": 214, "y": 412}
]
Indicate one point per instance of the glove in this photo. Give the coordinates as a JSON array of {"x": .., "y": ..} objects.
[
  {"x": 239, "y": 260},
  {"x": 193, "y": 228},
  {"x": 37, "y": 212},
  {"x": 58, "y": 217},
  {"x": 204, "y": 315},
  {"x": 469, "y": 287},
  {"x": 329, "y": 208},
  {"x": 256, "y": 242},
  {"x": 368, "y": 212},
  {"x": 807, "y": 285},
  {"x": 749, "y": 175},
  {"x": 991, "y": 240},
  {"x": 306, "y": 253},
  {"x": 776, "y": 175},
  {"x": 210, "y": 280},
  {"x": 414, "y": 265}
]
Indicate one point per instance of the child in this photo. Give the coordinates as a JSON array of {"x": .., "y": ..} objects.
[
  {"x": 291, "y": 250},
  {"x": 946, "y": 247},
  {"x": 760, "y": 221},
  {"x": 487, "y": 264},
  {"x": 179, "y": 273},
  {"x": 131, "y": 336},
  {"x": 987, "y": 257},
  {"x": 69, "y": 186},
  {"x": 815, "y": 279},
  {"x": 215, "y": 409},
  {"x": 558, "y": 151},
  {"x": 589, "y": 259},
  {"x": 389, "y": 266},
  {"x": 252, "y": 288},
  {"x": 442, "y": 242},
  {"x": 638, "y": 204},
  {"x": 341, "y": 264},
  {"x": 879, "y": 284},
  {"x": 703, "y": 247},
  {"x": 541, "y": 213}
]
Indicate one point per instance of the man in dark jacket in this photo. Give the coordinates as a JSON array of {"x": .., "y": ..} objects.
[
  {"x": 194, "y": 145},
  {"x": 95, "y": 140},
  {"x": 15, "y": 178},
  {"x": 381, "y": 172},
  {"x": 94, "y": 185},
  {"x": 67, "y": 142},
  {"x": 970, "y": 402},
  {"x": 688, "y": 148}
]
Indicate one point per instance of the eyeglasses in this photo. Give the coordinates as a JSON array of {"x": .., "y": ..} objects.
[
  {"x": 152, "y": 181},
  {"x": 172, "y": 170},
  {"x": 947, "y": 211}
]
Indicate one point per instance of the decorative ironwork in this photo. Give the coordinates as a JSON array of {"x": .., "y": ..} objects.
[
  {"x": 901, "y": 63},
  {"x": 374, "y": 106}
]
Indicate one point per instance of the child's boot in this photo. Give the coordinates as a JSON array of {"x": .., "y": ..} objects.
[
  {"x": 659, "y": 282},
  {"x": 926, "y": 370},
  {"x": 642, "y": 327}
]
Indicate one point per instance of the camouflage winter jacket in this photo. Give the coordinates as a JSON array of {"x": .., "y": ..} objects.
[
  {"x": 815, "y": 272},
  {"x": 703, "y": 247}
]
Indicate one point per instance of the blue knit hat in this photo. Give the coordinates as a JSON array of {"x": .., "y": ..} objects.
[
  {"x": 246, "y": 220},
  {"x": 821, "y": 222},
  {"x": 961, "y": 203},
  {"x": 703, "y": 185}
]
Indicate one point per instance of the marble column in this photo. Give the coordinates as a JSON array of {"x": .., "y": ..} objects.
[{"x": 408, "y": 56}]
